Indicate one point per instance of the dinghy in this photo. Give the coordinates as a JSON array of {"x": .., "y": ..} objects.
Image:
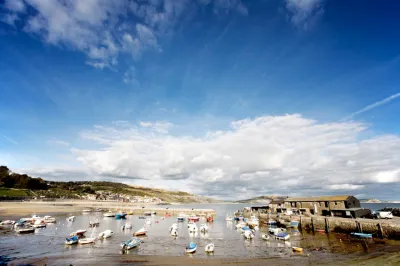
[
  {"x": 294, "y": 224},
  {"x": 282, "y": 236},
  {"x": 173, "y": 226},
  {"x": 148, "y": 222},
  {"x": 140, "y": 232},
  {"x": 361, "y": 235},
  {"x": 275, "y": 231},
  {"x": 193, "y": 228},
  {"x": 209, "y": 248},
  {"x": 203, "y": 228},
  {"x": 265, "y": 236},
  {"x": 109, "y": 214},
  {"x": 120, "y": 215},
  {"x": 297, "y": 249},
  {"x": 106, "y": 234},
  {"x": 126, "y": 226},
  {"x": 71, "y": 219},
  {"x": 253, "y": 221},
  {"x": 39, "y": 225},
  {"x": 79, "y": 233},
  {"x": 94, "y": 223},
  {"x": 49, "y": 220},
  {"x": 71, "y": 240},
  {"x": 88, "y": 240},
  {"x": 174, "y": 232},
  {"x": 86, "y": 210},
  {"x": 191, "y": 247},
  {"x": 131, "y": 243},
  {"x": 193, "y": 218},
  {"x": 7, "y": 222},
  {"x": 248, "y": 234},
  {"x": 228, "y": 218}
]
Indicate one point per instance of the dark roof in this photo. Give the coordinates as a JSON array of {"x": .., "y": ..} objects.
[{"x": 320, "y": 198}]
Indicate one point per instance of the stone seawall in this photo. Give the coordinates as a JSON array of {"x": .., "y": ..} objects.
[{"x": 379, "y": 228}]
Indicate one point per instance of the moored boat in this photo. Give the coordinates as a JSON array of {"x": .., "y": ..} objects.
[
  {"x": 86, "y": 210},
  {"x": 282, "y": 236},
  {"x": 131, "y": 243},
  {"x": 192, "y": 228},
  {"x": 71, "y": 240},
  {"x": 106, "y": 234},
  {"x": 109, "y": 214},
  {"x": 174, "y": 232},
  {"x": 203, "y": 228},
  {"x": 126, "y": 226},
  {"x": 25, "y": 229},
  {"x": 248, "y": 234},
  {"x": 95, "y": 223},
  {"x": 193, "y": 218},
  {"x": 265, "y": 236},
  {"x": 71, "y": 219},
  {"x": 120, "y": 215},
  {"x": 140, "y": 232},
  {"x": 79, "y": 233},
  {"x": 209, "y": 248},
  {"x": 88, "y": 240},
  {"x": 361, "y": 235},
  {"x": 297, "y": 249},
  {"x": 276, "y": 231},
  {"x": 7, "y": 222},
  {"x": 191, "y": 247},
  {"x": 39, "y": 224},
  {"x": 294, "y": 224},
  {"x": 49, "y": 220}
]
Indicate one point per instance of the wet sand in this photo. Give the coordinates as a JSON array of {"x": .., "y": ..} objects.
[{"x": 391, "y": 258}]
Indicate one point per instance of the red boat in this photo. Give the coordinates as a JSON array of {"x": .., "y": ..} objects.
[
  {"x": 210, "y": 219},
  {"x": 193, "y": 218}
]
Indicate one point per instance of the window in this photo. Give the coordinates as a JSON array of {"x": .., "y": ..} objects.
[
  {"x": 335, "y": 202},
  {"x": 326, "y": 204}
]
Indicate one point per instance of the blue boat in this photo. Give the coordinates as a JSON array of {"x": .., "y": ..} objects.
[
  {"x": 245, "y": 228},
  {"x": 191, "y": 247},
  {"x": 120, "y": 215},
  {"x": 71, "y": 240},
  {"x": 131, "y": 243},
  {"x": 181, "y": 219},
  {"x": 282, "y": 236},
  {"x": 236, "y": 218},
  {"x": 361, "y": 235}
]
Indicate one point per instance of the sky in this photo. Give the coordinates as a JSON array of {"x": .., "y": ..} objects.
[{"x": 222, "y": 98}]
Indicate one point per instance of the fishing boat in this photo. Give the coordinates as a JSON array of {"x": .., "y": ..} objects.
[
  {"x": 140, "y": 232},
  {"x": 120, "y": 215},
  {"x": 109, "y": 214},
  {"x": 106, "y": 234},
  {"x": 193, "y": 218},
  {"x": 248, "y": 234},
  {"x": 361, "y": 235},
  {"x": 86, "y": 210},
  {"x": 282, "y": 236},
  {"x": 276, "y": 231},
  {"x": 25, "y": 229},
  {"x": 265, "y": 236},
  {"x": 7, "y": 222},
  {"x": 71, "y": 219},
  {"x": 49, "y": 220},
  {"x": 181, "y": 217},
  {"x": 131, "y": 243},
  {"x": 71, "y": 240},
  {"x": 209, "y": 248},
  {"x": 297, "y": 249},
  {"x": 126, "y": 226},
  {"x": 294, "y": 224},
  {"x": 191, "y": 247},
  {"x": 203, "y": 228},
  {"x": 88, "y": 240}
]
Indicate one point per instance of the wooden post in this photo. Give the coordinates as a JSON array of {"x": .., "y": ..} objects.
[
  {"x": 312, "y": 224},
  {"x": 380, "y": 230},
  {"x": 326, "y": 225},
  {"x": 300, "y": 224}
]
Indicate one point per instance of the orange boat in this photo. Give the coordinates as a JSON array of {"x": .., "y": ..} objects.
[{"x": 210, "y": 219}]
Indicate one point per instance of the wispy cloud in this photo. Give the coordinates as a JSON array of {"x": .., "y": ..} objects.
[
  {"x": 304, "y": 13},
  {"x": 372, "y": 106},
  {"x": 10, "y": 140}
]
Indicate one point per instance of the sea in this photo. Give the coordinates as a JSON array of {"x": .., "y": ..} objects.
[{"x": 229, "y": 243}]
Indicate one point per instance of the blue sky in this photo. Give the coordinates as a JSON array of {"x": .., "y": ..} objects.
[{"x": 204, "y": 95}]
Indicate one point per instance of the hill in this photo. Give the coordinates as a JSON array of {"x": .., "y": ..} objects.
[
  {"x": 258, "y": 200},
  {"x": 13, "y": 185}
]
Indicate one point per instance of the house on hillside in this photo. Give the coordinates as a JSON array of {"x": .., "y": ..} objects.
[{"x": 344, "y": 206}]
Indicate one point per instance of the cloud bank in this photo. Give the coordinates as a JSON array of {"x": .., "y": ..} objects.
[{"x": 287, "y": 155}]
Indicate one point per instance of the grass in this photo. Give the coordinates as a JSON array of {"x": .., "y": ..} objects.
[{"x": 13, "y": 192}]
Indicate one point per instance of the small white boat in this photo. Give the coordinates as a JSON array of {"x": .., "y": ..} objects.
[
  {"x": 39, "y": 224},
  {"x": 79, "y": 233},
  {"x": 193, "y": 228},
  {"x": 240, "y": 225},
  {"x": 7, "y": 222},
  {"x": 203, "y": 228},
  {"x": 131, "y": 243},
  {"x": 174, "y": 232},
  {"x": 228, "y": 218},
  {"x": 106, "y": 234},
  {"x": 71, "y": 219},
  {"x": 109, "y": 214},
  {"x": 140, "y": 232},
  {"x": 35, "y": 217},
  {"x": 48, "y": 219},
  {"x": 95, "y": 223},
  {"x": 86, "y": 210},
  {"x": 248, "y": 234},
  {"x": 275, "y": 231},
  {"x": 209, "y": 248},
  {"x": 88, "y": 240},
  {"x": 148, "y": 222},
  {"x": 126, "y": 226},
  {"x": 173, "y": 226},
  {"x": 282, "y": 236},
  {"x": 253, "y": 221},
  {"x": 265, "y": 236}
]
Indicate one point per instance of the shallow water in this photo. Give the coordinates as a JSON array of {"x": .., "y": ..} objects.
[{"x": 228, "y": 242}]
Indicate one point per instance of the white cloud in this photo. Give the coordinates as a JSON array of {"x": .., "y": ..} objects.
[
  {"x": 130, "y": 76},
  {"x": 270, "y": 154},
  {"x": 15, "y": 5},
  {"x": 303, "y": 13}
]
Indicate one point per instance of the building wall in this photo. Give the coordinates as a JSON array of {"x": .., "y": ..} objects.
[{"x": 323, "y": 207}]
